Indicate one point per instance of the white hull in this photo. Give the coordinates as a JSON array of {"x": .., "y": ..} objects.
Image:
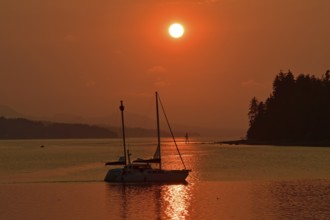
[{"x": 121, "y": 175}]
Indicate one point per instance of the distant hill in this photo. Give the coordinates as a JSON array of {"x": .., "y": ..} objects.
[
  {"x": 136, "y": 125},
  {"x": 113, "y": 119},
  {"x": 8, "y": 112},
  {"x": 19, "y": 128}
]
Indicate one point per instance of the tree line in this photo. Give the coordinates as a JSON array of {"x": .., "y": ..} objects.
[{"x": 297, "y": 111}]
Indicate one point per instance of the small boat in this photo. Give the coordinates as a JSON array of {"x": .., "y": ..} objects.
[{"x": 142, "y": 170}]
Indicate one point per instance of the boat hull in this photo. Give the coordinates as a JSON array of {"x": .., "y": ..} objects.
[{"x": 146, "y": 176}]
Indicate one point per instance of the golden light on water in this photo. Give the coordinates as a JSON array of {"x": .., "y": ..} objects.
[{"x": 176, "y": 201}]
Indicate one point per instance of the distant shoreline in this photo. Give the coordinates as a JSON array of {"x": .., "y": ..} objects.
[{"x": 323, "y": 143}]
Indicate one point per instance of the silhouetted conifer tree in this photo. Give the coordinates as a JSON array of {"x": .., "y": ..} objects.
[{"x": 298, "y": 110}]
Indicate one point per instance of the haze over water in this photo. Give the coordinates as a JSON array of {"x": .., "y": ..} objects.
[{"x": 64, "y": 180}]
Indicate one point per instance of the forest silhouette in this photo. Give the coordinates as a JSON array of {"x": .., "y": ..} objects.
[{"x": 297, "y": 112}]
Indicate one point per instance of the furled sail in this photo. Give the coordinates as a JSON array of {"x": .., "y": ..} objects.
[
  {"x": 155, "y": 159},
  {"x": 121, "y": 161},
  {"x": 157, "y": 153}
]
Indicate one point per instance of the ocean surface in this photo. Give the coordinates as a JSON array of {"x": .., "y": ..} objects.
[{"x": 63, "y": 179}]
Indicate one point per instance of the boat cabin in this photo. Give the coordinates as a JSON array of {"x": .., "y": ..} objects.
[{"x": 141, "y": 167}]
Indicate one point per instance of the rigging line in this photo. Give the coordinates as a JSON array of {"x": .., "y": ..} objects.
[{"x": 177, "y": 148}]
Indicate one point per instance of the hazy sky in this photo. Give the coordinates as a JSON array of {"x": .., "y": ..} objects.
[{"x": 82, "y": 57}]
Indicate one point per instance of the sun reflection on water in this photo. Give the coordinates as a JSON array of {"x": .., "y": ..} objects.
[
  {"x": 176, "y": 201},
  {"x": 149, "y": 201}
]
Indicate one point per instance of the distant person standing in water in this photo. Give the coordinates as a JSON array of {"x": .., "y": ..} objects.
[{"x": 187, "y": 138}]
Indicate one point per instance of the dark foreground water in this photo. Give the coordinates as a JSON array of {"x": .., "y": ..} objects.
[{"x": 64, "y": 180}]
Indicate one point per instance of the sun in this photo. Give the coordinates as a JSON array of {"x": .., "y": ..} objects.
[{"x": 176, "y": 30}]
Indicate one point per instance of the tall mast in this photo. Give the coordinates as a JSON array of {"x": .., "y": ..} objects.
[
  {"x": 168, "y": 124},
  {"x": 158, "y": 133},
  {"x": 121, "y": 107}
]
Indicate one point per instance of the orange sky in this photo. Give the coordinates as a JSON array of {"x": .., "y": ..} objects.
[{"x": 82, "y": 57}]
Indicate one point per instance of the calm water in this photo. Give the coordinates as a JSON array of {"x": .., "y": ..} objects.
[{"x": 64, "y": 180}]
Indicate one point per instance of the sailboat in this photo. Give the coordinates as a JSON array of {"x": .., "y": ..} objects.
[{"x": 141, "y": 170}]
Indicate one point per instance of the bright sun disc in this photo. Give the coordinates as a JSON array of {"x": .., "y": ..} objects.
[{"x": 176, "y": 30}]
